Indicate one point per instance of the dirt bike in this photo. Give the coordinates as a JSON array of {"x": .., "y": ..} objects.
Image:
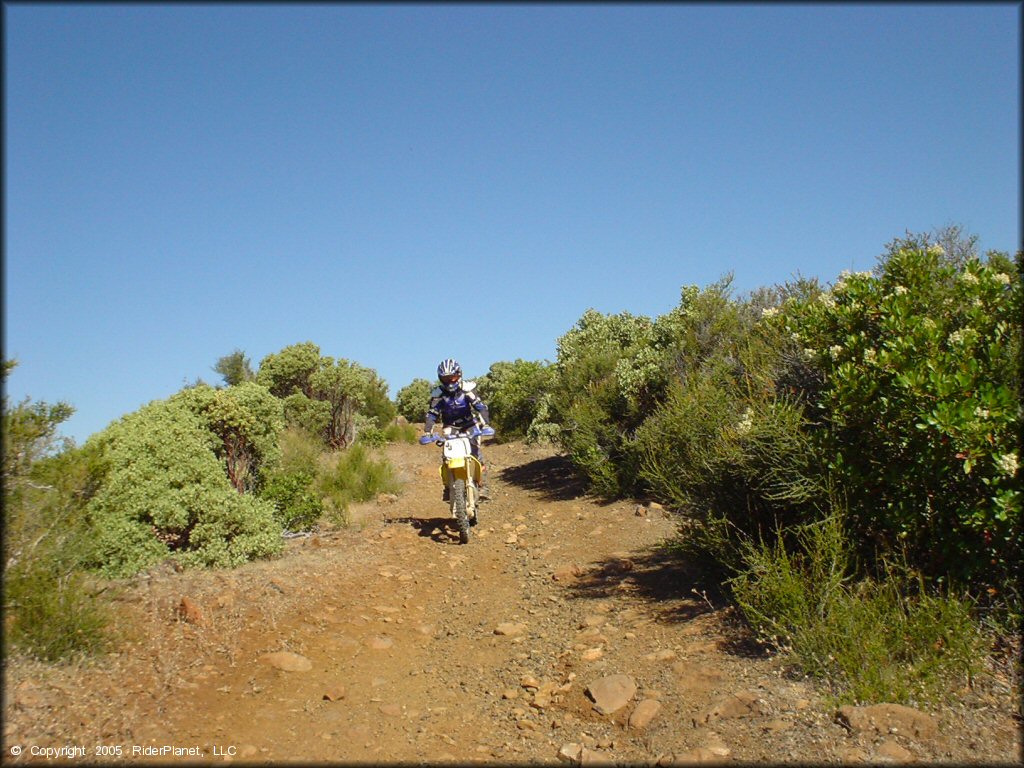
[{"x": 461, "y": 473}]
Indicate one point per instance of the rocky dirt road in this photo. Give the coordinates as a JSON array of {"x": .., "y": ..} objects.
[{"x": 562, "y": 633}]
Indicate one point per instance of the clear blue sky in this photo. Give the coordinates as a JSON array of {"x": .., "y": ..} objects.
[{"x": 401, "y": 184}]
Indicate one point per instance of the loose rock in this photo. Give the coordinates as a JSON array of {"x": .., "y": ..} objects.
[
  {"x": 644, "y": 713},
  {"x": 890, "y": 750},
  {"x": 335, "y": 693},
  {"x": 592, "y": 757},
  {"x": 509, "y": 629},
  {"x": 888, "y": 718},
  {"x": 287, "y": 661},
  {"x": 570, "y": 753},
  {"x": 567, "y": 573},
  {"x": 743, "y": 704},
  {"x": 189, "y": 612},
  {"x": 612, "y": 693}
]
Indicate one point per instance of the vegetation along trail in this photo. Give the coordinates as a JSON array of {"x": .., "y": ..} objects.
[{"x": 562, "y": 633}]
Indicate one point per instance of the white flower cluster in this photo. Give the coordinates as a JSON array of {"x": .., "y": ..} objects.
[
  {"x": 981, "y": 413},
  {"x": 845, "y": 276},
  {"x": 957, "y": 337},
  {"x": 936, "y": 250},
  {"x": 827, "y": 300},
  {"x": 835, "y": 351},
  {"x": 1008, "y": 464},
  {"x": 1002, "y": 277},
  {"x": 969, "y": 278},
  {"x": 899, "y": 290},
  {"x": 769, "y": 312},
  {"x": 870, "y": 355},
  {"x": 746, "y": 422}
]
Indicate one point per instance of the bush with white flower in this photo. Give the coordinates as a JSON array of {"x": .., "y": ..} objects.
[{"x": 918, "y": 417}]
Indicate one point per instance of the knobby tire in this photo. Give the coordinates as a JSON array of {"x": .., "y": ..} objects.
[{"x": 459, "y": 504}]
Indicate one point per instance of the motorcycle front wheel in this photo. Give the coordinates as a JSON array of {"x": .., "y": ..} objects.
[{"x": 459, "y": 507}]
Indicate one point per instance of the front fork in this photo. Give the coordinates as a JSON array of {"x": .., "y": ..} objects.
[{"x": 470, "y": 470}]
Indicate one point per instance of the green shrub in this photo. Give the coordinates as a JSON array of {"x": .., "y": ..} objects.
[
  {"x": 353, "y": 475},
  {"x": 304, "y": 414},
  {"x": 413, "y": 400},
  {"x": 324, "y": 395},
  {"x": 376, "y": 405},
  {"x": 871, "y": 641},
  {"x": 52, "y": 613},
  {"x": 163, "y": 493},
  {"x": 614, "y": 374},
  {"x": 344, "y": 387},
  {"x": 918, "y": 414},
  {"x": 725, "y": 444},
  {"x": 247, "y": 421},
  {"x": 299, "y": 451},
  {"x": 594, "y": 399},
  {"x": 372, "y": 436},
  {"x": 401, "y": 433},
  {"x": 513, "y": 393},
  {"x": 297, "y": 506},
  {"x": 289, "y": 371},
  {"x": 543, "y": 429},
  {"x": 49, "y": 611},
  {"x": 594, "y": 441},
  {"x": 690, "y": 455}
]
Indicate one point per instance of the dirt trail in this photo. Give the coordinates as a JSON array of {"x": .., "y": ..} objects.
[{"x": 421, "y": 650}]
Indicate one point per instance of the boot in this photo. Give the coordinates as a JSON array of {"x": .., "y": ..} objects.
[{"x": 483, "y": 491}]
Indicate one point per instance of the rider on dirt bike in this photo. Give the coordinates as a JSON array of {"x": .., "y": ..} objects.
[{"x": 456, "y": 404}]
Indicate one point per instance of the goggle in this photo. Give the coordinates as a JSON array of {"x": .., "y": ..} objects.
[{"x": 450, "y": 378}]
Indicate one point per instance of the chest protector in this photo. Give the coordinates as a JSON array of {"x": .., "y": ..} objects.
[{"x": 456, "y": 410}]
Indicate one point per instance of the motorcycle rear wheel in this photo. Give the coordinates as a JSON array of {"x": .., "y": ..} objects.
[{"x": 459, "y": 507}]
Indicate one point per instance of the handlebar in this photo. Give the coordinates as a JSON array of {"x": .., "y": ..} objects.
[{"x": 475, "y": 431}]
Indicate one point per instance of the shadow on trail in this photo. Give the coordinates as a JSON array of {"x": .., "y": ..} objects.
[
  {"x": 554, "y": 478},
  {"x": 441, "y": 529},
  {"x": 677, "y": 589}
]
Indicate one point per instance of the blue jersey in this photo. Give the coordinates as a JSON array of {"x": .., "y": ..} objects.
[{"x": 457, "y": 409}]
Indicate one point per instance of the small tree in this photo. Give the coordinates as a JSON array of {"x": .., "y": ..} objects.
[
  {"x": 377, "y": 406},
  {"x": 49, "y": 612},
  {"x": 514, "y": 392},
  {"x": 289, "y": 371},
  {"x": 312, "y": 417},
  {"x": 413, "y": 400},
  {"x": 163, "y": 492},
  {"x": 29, "y": 435},
  {"x": 235, "y": 368},
  {"x": 30, "y": 432},
  {"x": 247, "y": 421},
  {"x": 342, "y": 385}
]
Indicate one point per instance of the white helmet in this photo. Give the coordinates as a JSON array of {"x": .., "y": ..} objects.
[{"x": 449, "y": 373}]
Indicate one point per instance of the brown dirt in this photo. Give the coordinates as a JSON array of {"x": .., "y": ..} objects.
[{"x": 400, "y": 623}]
